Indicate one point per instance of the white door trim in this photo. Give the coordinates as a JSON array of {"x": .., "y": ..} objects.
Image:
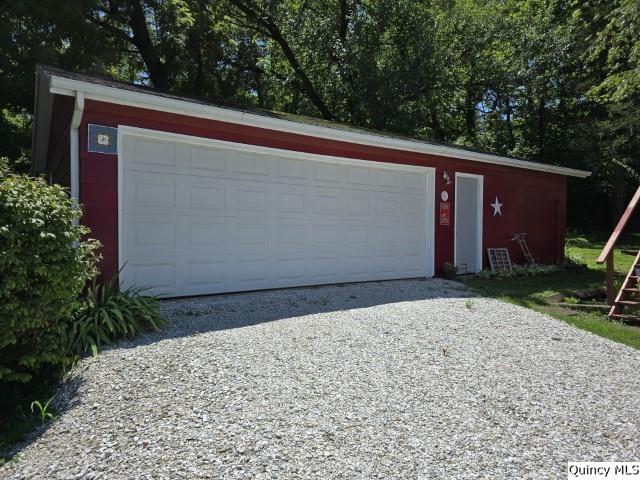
[
  {"x": 480, "y": 179},
  {"x": 430, "y": 210},
  {"x": 157, "y": 134}
]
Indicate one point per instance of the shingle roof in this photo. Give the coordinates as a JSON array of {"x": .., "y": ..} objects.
[{"x": 112, "y": 83}]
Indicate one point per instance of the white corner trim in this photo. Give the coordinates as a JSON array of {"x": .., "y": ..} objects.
[
  {"x": 120, "y": 96},
  {"x": 430, "y": 208},
  {"x": 120, "y": 200},
  {"x": 480, "y": 218}
]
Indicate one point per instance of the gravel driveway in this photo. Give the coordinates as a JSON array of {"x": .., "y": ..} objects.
[{"x": 403, "y": 379}]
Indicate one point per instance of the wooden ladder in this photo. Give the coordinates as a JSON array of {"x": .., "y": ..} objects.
[
  {"x": 519, "y": 237},
  {"x": 628, "y": 296},
  {"x": 631, "y": 281}
]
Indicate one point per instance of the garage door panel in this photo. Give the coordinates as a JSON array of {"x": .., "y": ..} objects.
[
  {"x": 205, "y": 235},
  {"x": 252, "y": 199},
  {"x": 292, "y": 236},
  {"x": 291, "y": 269},
  {"x": 328, "y": 203},
  {"x": 387, "y": 178},
  {"x": 158, "y": 277},
  {"x": 145, "y": 152},
  {"x": 386, "y": 205},
  {"x": 207, "y": 196},
  {"x": 208, "y": 159},
  {"x": 328, "y": 235},
  {"x": 291, "y": 200},
  {"x": 386, "y": 234},
  {"x": 206, "y": 274},
  {"x": 288, "y": 168},
  {"x": 216, "y": 220},
  {"x": 358, "y": 176},
  {"x": 385, "y": 265},
  {"x": 252, "y": 271},
  {"x": 251, "y": 237},
  {"x": 357, "y": 234},
  {"x": 326, "y": 267},
  {"x": 414, "y": 207},
  {"x": 249, "y": 164},
  {"x": 412, "y": 183},
  {"x": 153, "y": 190},
  {"x": 328, "y": 173},
  {"x": 150, "y": 235}
]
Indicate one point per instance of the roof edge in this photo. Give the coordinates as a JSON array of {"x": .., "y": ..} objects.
[{"x": 92, "y": 91}]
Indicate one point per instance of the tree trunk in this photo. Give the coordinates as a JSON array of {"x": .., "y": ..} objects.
[
  {"x": 541, "y": 126},
  {"x": 266, "y": 26},
  {"x": 619, "y": 195},
  {"x": 142, "y": 40},
  {"x": 470, "y": 112},
  {"x": 342, "y": 21},
  {"x": 435, "y": 125},
  {"x": 306, "y": 83},
  {"x": 511, "y": 139}
]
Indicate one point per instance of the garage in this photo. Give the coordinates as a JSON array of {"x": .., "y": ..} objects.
[
  {"x": 191, "y": 197},
  {"x": 204, "y": 216}
]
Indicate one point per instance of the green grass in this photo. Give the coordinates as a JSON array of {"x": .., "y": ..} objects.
[
  {"x": 16, "y": 418},
  {"x": 543, "y": 293}
]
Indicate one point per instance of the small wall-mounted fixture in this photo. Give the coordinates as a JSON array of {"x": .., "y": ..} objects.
[
  {"x": 103, "y": 139},
  {"x": 446, "y": 178}
]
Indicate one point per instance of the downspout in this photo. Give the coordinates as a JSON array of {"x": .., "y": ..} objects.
[{"x": 74, "y": 145}]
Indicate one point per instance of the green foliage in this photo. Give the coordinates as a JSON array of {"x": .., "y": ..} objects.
[
  {"x": 520, "y": 271},
  {"x": 572, "y": 257},
  {"x": 44, "y": 265},
  {"x": 556, "y": 81},
  {"x": 108, "y": 313},
  {"x": 449, "y": 270},
  {"x": 541, "y": 293},
  {"x": 43, "y": 410}
]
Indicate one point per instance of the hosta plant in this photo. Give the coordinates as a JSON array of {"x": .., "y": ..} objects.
[{"x": 109, "y": 313}]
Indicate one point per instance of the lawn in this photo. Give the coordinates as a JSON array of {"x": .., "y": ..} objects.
[{"x": 545, "y": 293}]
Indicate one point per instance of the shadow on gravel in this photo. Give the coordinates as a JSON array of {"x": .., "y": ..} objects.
[
  {"x": 194, "y": 315},
  {"x": 66, "y": 399}
]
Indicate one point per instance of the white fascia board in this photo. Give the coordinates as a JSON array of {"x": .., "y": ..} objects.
[{"x": 103, "y": 93}]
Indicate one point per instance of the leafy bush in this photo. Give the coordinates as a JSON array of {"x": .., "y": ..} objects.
[
  {"x": 449, "y": 270},
  {"x": 521, "y": 271},
  {"x": 573, "y": 258},
  {"x": 109, "y": 313},
  {"x": 44, "y": 265}
]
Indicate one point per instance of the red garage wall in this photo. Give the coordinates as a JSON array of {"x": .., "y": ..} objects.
[{"x": 534, "y": 202}]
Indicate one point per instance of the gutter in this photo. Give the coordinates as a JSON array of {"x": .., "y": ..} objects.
[
  {"x": 103, "y": 93},
  {"x": 74, "y": 146}
]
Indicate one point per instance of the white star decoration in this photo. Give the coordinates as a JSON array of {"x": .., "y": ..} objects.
[{"x": 497, "y": 207}]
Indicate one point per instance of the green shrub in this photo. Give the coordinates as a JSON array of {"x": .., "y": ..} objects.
[
  {"x": 520, "y": 271},
  {"x": 109, "y": 313},
  {"x": 449, "y": 270},
  {"x": 571, "y": 257},
  {"x": 44, "y": 265}
]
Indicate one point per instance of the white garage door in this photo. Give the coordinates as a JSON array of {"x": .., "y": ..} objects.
[{"x": 200, "y": 216}]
